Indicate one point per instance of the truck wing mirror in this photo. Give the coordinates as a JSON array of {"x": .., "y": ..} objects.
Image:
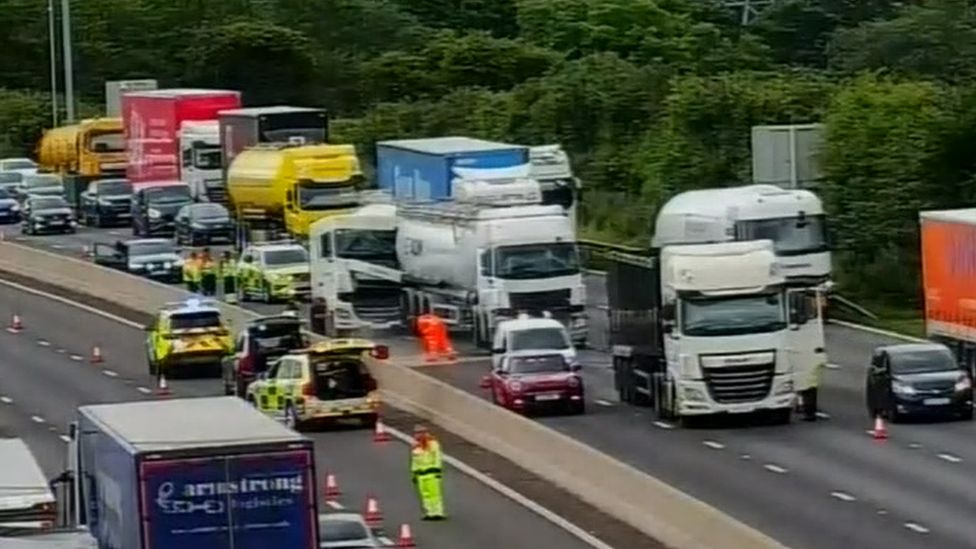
[
  {"x": 668, "y": 312},
  {"x": 667, "y": 327}
]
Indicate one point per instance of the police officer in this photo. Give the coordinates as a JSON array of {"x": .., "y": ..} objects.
[
  {"x": 426, "y": 469},
  {"x": 208, "y": 273},
  {"x": 228, "y": 272},
  {"x": 190, "y": 268}
]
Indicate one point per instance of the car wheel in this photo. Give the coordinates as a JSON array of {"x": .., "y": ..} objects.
[
  {"x": 892, "y": 413},
  {"x": 577, "y": 408},
  {"x": 291, "y": 418},
  {"x": 266, "y": 295},
  {"x": 966, "y": 414}
]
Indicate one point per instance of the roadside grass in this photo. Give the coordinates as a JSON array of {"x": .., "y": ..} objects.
[{"x": 903, "y": 320}]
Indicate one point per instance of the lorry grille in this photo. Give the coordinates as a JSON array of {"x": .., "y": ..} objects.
[
  {"x": 377, "y": 305},
  {"x": 737, "y": 384},
  {"x": 537, "y": 302}
]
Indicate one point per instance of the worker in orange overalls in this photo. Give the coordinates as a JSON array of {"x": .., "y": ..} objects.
[{"x": 434, "y": 338}]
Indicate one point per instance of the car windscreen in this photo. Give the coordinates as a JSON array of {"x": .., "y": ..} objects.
[
  {"x": 289, "y": 256},
  {"x": 151, "y": 248},
  {"x": 114, "y": 187},
  {"x": 7, "y": 178},
  {"x": 168, "y": 195},
  {"x": 922, "y": 361},
  {"x": 537, "y": 364},
  {"x": 6, "y": 194},
  {"x": 39, "y": 181},
  {"x": 48, "y": 203},
  {"x": 539, "y": 338},
  {"x": 201, "y": 319},
  {"x": 209, "y": 211},
  {"x": 342, "y": 530},
  {"x": 19, "y": 165}
]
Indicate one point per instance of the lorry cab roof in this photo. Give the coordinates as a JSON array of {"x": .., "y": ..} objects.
[
  {"x": 965, "y": 216},
  {"x": 172, "y": 93},
  {"x": 448, "y": 145},
  {"x": 188, "y": 423},
  {"x": 272, "y": 109}
]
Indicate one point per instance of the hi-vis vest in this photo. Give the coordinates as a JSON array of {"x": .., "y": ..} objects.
[{"x": 425, "y": 461}]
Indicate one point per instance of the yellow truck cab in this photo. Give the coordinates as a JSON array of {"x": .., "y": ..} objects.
[
  {"x": 293, "y": 184},
  {"x": 92, "y": 149},
  {"x": 187, "y": 337},
  {"x": 328, "y": 381}
]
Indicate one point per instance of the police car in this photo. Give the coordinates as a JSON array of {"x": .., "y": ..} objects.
[
  {"x": 325, "y": 382},
  {"x": 187, "y": 337},
  {"x": 273, "y": 271}
]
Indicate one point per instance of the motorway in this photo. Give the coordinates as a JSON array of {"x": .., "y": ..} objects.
[
  {"x": 817, "y": 486},
  {"x": 45, "y": 374}
]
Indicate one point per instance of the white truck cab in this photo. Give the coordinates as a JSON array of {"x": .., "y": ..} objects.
[
  {"x": 27, "y": 503},
  {"x": 531, "y": 334},
  {"x": 200, "y": 164}
]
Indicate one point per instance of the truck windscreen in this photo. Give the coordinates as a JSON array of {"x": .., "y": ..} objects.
[
  {"x": 323, "y": 196},
  {"x": 706, "y": 316},
  {"x": 107, "y": 143},
  {"x": 207, "y": 157},
  {"x": 536, "y": 260},
  {"x": 365, "y": 244},
  {"x": 790, "y": 235}
]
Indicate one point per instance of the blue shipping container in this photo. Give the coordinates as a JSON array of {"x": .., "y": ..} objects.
[{"x": 422, "y": 169}]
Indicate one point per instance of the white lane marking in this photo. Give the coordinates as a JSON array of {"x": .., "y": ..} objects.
[
  {"x": 37, "y": 419},
  {"x": 43, "y": 343},
  {"x": 144, "y": 390},
  {"x": 882, "y": 511},
  {"x": 713, "y": 445},
  {"x": 511, "y": 494},
  {"x": 6, "y": 400},
  {"x": 13, "y": 330},
  {"x": 913, "y": 446},
  {"x": 877, "y": 331},
  {"x": 833, "y": 366},
  {"x": 772, "y": 467},
  {"x": 110, "y": 373},
  {"x": 57, "y": 246},
  {"x": 917, "y": 528},
  {"x": 602, "y": 402},
  {"x": 65, "y": 438},
  {"x": 62, "y": 351},
  {"x": 77, "y": 358},
  {"x": 663, "y": 425},
  {"x": 114, "y": 233},
  {"x": 823, "y": 415},
  {"x": 843, "y": 496},
  {"x": 335, "y": 505},
  {"x": 385, "y": 541},
  {"x": 950, "y": 458},
  {"x": 745, "y": 457}
]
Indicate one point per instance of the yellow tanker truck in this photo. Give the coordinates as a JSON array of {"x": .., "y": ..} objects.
[
  {"x": 91, "y": 149},
  {"x": 277, "y": 186}
]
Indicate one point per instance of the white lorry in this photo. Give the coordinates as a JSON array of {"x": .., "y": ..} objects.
[
  {"x": 702, "y": 329},
  {"x": 795, "y": 222},
  {"x": 200, "y": 160},
  {"x": 491, "y": 253}
]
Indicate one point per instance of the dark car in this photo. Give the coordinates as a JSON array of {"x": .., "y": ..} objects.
[
  {"x": 527, "y": 381},
  {"x": 47, "y": 214},
  {"x": 918, "y": 379},
  {"x": 263, "y": 341},
  {"x": 154, "y": 207},
  {"x": 205, "y": 222},
  {"x": 106, "y": 201},
  {"x": 155, "y": 258},
  {"x": 10, "y": 181},
  {"x": 9, "y": 206}
]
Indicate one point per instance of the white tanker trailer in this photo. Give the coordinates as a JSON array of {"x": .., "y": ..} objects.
[{"x": 486, "y": 256}]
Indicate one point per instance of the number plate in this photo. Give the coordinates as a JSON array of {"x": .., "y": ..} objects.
[
  {"x": 548, "y": 396},
  {"x": 740, "y": 409},
  {"x": 935, "y": 401}
]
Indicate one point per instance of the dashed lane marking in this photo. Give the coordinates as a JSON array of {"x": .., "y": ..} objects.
[
  {"x": 110, "y": 373},
  {"x": 745, "y": 457},
  {"x": 385, "y": 541},
  {"x": 43, "y": 343},
  {"x": 663, "y": 425},
  {"x": 65, "y": 438},
  {"x": 144, "y": 390},
  {"x": 772, "y": 467},
  {"x": 37, "y": 419},
  {"x": 335, "y": 505},
  {"x": 6, "y": 400},
  {"x": 602, "y": 402},
  {"x": 57, "y": 246},
  {"x": 62, "y": 351},
  {"x": 843, "y": 496},
  {"x": 823, "y": 415},
  {"x": 950, "y": 458},
  {"x": 713, "y": 445},
  {"x": 917, "y": 528},
  {"x": 832, "y": 366},
  {"x": 77, "y": 358},
  {"x": 913, "y": 445}
]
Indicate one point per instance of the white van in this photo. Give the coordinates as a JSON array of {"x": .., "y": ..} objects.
[
  {"x": 531, "y": 334},
  {"x": 27, "y": 503}
]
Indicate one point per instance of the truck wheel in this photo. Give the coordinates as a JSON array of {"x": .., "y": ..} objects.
[
  {"x": 781, "y": 417},
  {"x": 368, "y": 421}
]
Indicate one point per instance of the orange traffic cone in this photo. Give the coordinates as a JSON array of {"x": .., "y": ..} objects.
[
  {"x": 162, "y": 389},
  {"x": 373, "y": 516},
  {"x": 406, "y": 537},
  {"x": 880, "y": 431},
  {"x": 331, "y": 488},
  {"x": 379, "y": 432},
  {"x": 16, "y": 326},
  {"x": 96, "y": 356}
]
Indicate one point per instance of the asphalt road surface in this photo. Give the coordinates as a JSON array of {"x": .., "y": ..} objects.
[
  {"x": 818, "y": 486},
  {"x": 45, "y": 374}
]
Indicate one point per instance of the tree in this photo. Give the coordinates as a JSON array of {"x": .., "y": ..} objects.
[
  {"x": 23, "y": 117},
  {"x": 494, "y": 16}
]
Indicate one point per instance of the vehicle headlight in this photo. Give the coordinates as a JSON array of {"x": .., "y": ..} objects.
[
  {"x": 902, "y": 388},
  {"x": 785, "y": 388},
  {"x": 15, "y": 207},
  {"x": 197, "y": 226},
  {"x": 154, "y": 213},
  {"x": 963, "y": 383},
  {"x": 574, "y": 382},
  {"x": 168, "y": 265},
  {"x": 136, "y": 266},
  {"x": 103, "y": 202},
  {"x": 694, "y": 394},
  {"x": 515, "y": 386}
]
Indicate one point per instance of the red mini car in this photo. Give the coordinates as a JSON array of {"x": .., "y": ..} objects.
[{"x": 530, "y": 380}]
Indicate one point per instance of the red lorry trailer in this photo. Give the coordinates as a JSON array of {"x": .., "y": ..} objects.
[{"x": 152, "y": 121}]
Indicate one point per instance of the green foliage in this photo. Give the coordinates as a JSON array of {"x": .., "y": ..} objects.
[{"x": 23, "y": 117}]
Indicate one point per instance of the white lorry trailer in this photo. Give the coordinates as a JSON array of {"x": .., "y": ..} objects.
[
  {"x": 702, "y": 330},
  {"x": 795, "y": 222},
  {"x": 491, "y": 253},
  {"x": 200, "y": 160}
]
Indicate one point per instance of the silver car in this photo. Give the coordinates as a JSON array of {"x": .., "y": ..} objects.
[{"x": 346, "y": 531}]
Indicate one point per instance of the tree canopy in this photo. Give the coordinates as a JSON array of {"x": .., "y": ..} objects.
[{"x": 650, "y": 97}]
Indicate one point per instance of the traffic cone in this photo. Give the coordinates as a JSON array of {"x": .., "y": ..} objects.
[
  {"x": 96, "y": 356},
  {"x": 405, "y": 539},
  {"x": 331, "y": 488},
  {"x": 16, "y": 326},
  {"x": 373, "y": 516},
  {"x": 379, "y": 432},
  {"x": 162, "y": 389},
  {"x": 880, "y": 431}
]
